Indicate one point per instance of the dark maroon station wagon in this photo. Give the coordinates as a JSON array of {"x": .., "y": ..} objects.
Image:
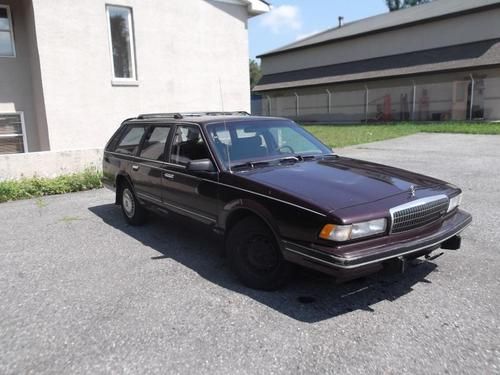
[{"x": 279, "y": 196}]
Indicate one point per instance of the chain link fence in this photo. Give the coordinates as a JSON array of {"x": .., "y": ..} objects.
[{"x": 458, "y": 97}]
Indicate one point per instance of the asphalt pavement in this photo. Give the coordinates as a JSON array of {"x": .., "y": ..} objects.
[{"x": 84, "y": 293}]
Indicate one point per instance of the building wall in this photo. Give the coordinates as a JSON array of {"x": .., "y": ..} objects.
[
  {"x": 49, "y": 163},
  {"x": 459, "y": 30},
  {"x": 16, "y": 80},
  {"x": 424, "y": 98},
  {"x": 184, "y": 48}
]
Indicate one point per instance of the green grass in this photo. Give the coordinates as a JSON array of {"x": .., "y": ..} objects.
[
  {"x": 39, "y": 186},
  {"x": 346, "y": 135}
]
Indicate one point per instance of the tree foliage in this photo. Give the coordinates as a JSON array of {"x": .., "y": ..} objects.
[
  {"x": 400, "y": 4},
  {"x": 255, "y": 73}
]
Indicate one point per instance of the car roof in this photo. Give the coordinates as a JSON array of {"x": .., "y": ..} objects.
[{"x": 202, "y": 118}]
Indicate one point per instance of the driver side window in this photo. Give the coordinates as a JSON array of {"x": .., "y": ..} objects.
[{"x": 187, "y": 145}]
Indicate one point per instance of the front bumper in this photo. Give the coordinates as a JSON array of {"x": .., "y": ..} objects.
[{"x": 373, "y": 257}]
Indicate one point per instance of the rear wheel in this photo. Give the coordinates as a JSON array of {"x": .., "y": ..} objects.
[
  {"x": 132, "y": 210},
  {"x": 255, "y": 256}
]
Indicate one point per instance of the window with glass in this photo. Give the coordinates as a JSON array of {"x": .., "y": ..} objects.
[
  {"x": 237, "y": 142},
  {"x": 122, "y": 42},
  {"x": 187, "y": 145},
  {"x": 7, "y": 48},
  {"x": 12, "y": 137},
  {"x": 154, "y": 144},
  {"x": 131, "y": 140}
]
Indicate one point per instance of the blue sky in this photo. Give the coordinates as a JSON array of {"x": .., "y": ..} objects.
[{"x": 293, "y": 19}]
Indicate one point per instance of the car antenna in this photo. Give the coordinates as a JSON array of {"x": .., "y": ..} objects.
[{"x": 225, "y": 126}]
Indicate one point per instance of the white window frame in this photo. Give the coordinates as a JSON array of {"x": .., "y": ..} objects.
[
  {"x": 132, "y": 81},
  {"x": 11, "y": 31},
  {"x": 23, "y": 129}
]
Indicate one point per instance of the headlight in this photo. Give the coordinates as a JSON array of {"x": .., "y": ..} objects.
[
  {"x": 454, "y": 202},
  {"x": 350, "y": 232}
]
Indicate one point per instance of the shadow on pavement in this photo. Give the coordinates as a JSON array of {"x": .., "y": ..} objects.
[{"x": 310, "y": 297}]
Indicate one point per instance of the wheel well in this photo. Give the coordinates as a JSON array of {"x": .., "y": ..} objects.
[
  {"x": 241, "y": 214},
  {"x": 120, "y": 181}
]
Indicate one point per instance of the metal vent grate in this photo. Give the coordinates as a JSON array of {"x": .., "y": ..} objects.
[{"x": 418, "y": 213}]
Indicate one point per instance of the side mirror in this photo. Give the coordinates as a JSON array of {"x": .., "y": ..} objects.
[{"x": 201, "y": 165}]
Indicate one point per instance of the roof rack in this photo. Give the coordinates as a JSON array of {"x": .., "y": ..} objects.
[
  {"x": 178, "y": 115},
  {"x": 145, "y": 116}
]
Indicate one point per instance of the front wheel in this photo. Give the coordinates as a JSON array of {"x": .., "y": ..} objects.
[
  {"x": 255, "y": 256},
  {"x": 132, "y": 210}
]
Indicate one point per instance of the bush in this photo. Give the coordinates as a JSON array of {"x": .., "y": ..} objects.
[{"x": 26, "y": 188}]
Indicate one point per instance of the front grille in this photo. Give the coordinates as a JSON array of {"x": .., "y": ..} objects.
[{"x": 418, "y": 213}]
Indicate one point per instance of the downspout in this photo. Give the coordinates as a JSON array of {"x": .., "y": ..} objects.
[{"x": 473, "y": 83}]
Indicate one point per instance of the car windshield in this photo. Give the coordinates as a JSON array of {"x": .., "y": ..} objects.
[{"x": 255, "y": 142}]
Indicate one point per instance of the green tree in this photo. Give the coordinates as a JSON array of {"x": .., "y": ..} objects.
[
  {"x": 400, "y": 4},
  {"x": 255, "y": 73}
]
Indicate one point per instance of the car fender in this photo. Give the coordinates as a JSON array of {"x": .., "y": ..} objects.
[{"x": 251, "y": 206}]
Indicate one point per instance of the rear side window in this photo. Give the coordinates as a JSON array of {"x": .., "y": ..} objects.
[
  {"x": 129, "y": 144},
  {"x": 154, "y": 144}
]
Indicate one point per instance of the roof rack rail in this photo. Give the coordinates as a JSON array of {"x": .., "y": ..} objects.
[
  {"x": 222, "y": 113},
  {"x": 181, "y": 115},
  {"x": 145, "y": 116}
]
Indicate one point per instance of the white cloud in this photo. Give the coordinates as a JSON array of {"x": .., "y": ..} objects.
[
  {"x": 306, "y": 35},
  {"x": 282, "y": 18}
]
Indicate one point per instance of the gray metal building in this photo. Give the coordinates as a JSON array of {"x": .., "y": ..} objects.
[{"x": 434, "y": 62}]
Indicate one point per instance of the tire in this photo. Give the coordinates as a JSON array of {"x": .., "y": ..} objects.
[
  {"x": 132, "y": 210},
  {"x": 255, "y": 256}
]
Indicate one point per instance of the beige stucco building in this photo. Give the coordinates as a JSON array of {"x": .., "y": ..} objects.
[
  {"x": 437, "y": 61},
  {"x": 71, "y": 71}
]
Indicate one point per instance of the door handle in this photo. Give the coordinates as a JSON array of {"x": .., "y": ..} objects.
[
  {"x": 170, "y": 176},
  {"x": 135, "y": 167}
]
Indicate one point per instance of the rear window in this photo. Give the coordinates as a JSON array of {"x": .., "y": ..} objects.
[{"x": 130, "y": 141}]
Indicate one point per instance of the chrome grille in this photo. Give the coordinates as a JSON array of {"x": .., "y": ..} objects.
[{"x": 418, "y": 213}]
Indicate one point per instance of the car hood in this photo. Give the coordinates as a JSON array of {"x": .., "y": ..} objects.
[{"x": 336, "y": 183}]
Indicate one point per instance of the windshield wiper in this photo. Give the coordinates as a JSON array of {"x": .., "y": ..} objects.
[
  {"x": 290, "y": 158},
  {"x": 330, "y": 156},
  {"x": 307, "y": 157},
  {"x": 298, "y": 157},
  {"x": 250, "y": 164}
]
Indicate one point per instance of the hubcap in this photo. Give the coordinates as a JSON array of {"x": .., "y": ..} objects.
[
  {"x": 128, "y": 203},
  {"x": 261, "y": 254}
]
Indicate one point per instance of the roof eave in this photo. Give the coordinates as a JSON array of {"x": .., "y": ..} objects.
[
  {"x": 254, "y": 7},
  {"x": 284, "y": 50},
  {"x": 372, "y": 77}
]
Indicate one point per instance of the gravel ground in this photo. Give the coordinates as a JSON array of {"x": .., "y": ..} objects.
[{"x": 82, "y": 292}]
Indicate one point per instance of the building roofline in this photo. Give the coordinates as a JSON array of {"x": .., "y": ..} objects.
[
  {"x": 467, "y": 69},
  {"x": 456, "y": 57},
  {"x": 255, "y": 7},
  {"x": 290, "y": 48}
]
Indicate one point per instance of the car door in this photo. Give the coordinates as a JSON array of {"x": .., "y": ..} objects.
[
  {"x": 190, "y": 193},
  {"x": 148, "y": 167},
  {"x": 123, "y": 155}
]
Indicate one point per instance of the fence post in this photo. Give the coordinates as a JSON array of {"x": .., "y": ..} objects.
[
  {"x": 268, "y": 105},
  {"x": 329, "y": 100},
  {"x": 473, "y": 83},
  {"x": 366, "y": 104},
  {"x": 414, "y": 105},
  {"x": 297, "y": 104}
]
